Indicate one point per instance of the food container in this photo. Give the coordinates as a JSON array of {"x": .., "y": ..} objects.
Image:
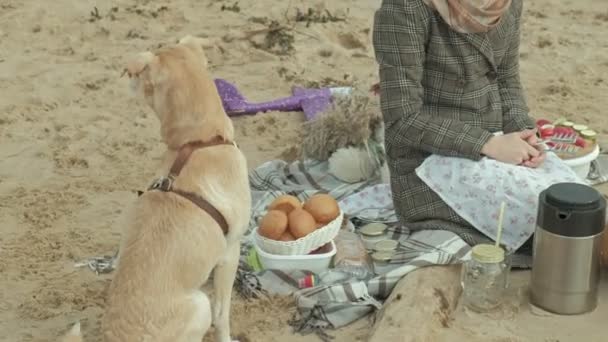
[
  {"x": 304, "y": 245},
  {"x": 386, "y": 245},
  {"x": 566, "y": 255},
  {"x": 589, "y": 135},
  {"x": 316, "y": 263},
  {"x": 383, "y": 258},
  {"x": 582, "y": 164},
  {"x": 351, "y": 256},
  {"x": 485, "y": 277},
  {"x": 372, "y": 233}
]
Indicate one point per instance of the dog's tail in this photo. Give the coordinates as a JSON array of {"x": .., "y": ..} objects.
[{"x": 74, "y": 335}]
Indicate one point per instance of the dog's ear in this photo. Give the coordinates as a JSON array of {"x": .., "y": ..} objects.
[
  {"x": 138, "y": 64},
  {"x": 198, "y": 44}
]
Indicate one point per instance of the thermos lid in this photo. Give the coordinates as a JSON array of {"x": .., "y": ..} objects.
[
  {"x": 573, "y": 196},
  {"x": 571, "y": 210}
]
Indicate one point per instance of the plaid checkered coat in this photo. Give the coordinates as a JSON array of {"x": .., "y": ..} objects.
[{"x": 442, "y": 92}]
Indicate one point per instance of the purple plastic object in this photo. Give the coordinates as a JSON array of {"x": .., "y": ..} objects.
[
  {"x": 310, "y": 101},
  {"x": 313, "y": 101}
]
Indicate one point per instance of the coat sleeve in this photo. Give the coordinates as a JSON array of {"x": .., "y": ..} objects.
[
  {"x": 401, "y": 30},
  {"x": 514, "y": 107}
]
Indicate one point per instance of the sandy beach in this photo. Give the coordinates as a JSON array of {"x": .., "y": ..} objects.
[{"x": 75, "y": 143}]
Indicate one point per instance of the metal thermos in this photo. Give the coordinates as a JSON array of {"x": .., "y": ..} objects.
[{"x": 566, "y": 265}]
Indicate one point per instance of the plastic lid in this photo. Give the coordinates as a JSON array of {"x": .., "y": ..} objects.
[
  {"x": 573, "y": 196},
  {"x": 579, "y": 127},
  {"x": 373, "y": 229},
  {"x": 383, "y": 256},
  {"x": 588, "y": 133},
  {"x": 386, "y": 245},
  {"x": 488, "y": 254}
]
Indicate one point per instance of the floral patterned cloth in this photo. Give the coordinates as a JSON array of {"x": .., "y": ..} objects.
[
  {"x": 475, "y": 190},
  {"x": 373, "y": 204}
]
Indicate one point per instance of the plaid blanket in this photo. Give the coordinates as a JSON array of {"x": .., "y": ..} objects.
[{"x": 340, "y": 300}]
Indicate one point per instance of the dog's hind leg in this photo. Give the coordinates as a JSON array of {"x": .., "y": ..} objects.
[
  {"x": 200, "y": 320},
  {"x": 223, "y": 280}
]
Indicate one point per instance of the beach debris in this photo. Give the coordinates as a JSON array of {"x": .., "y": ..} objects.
[
  {"x": 133, "y": 34},
  {"x": 320, "y": 15},
  {"x": 147, "y": 12},
  {"x": 232, "y": 8},
  {"x": 278, "y": 39},
  {"x": 99, "y": 265},
  {"x": 94, "y": 15}
]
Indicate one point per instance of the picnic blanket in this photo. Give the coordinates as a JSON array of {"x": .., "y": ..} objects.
[{"x": 338, "y": 301}]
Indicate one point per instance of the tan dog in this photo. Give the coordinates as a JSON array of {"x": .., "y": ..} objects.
[{"x": 171, "y": 245}]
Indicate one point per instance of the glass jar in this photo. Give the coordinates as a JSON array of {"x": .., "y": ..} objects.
[
  {"x": 589, "y": 136},
  {"x": 485, "y": 277},
  {"x": 373, "y": 233}
]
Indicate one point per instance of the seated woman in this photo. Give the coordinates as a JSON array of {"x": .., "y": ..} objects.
[{"x": 449, "y": 79}]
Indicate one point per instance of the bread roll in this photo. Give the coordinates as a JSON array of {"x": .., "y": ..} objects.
[
  {"x": 287, "y": 236},
  {"x": 323, "y": 208},
  {"x": 273, "y": 224},
  {"x": 285, "y": 203},
  {"x": 301, "y": 223}
]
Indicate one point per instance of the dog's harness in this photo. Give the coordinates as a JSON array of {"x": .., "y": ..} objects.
[{"x": 165, "y": 184}]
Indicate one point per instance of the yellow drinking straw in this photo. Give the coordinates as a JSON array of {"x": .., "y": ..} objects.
[{"x": 500, "y": 219}]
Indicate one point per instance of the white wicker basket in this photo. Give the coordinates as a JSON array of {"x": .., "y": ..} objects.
[{"x": 301, "y": 246}]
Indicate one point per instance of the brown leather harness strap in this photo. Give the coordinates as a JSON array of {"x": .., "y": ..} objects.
[
  {"x": 165, "y": 184},
  {"x": 186, "y": 150}
]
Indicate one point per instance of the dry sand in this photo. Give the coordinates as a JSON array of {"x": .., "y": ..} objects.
[{"x": 75, "y": 144}]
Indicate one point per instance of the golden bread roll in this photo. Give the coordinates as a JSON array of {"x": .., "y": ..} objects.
[
  {"x": 323, "y": 208},
  {"x": 285, "y": 203},
  {"x": 301, "y": 223},
  {"x": 273, "y": 224},
  {"x": 287, "y": 236}
]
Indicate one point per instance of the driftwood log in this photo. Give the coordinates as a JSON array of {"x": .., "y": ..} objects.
[{"x": 420, "y": 306}]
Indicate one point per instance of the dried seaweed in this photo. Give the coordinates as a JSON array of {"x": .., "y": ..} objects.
[{"x": 350, "y": 122}]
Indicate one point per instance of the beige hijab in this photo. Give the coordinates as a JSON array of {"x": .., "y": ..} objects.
[{"x": 470, "y": 16}]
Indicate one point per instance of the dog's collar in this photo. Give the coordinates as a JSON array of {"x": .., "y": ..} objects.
[{"x": 165, "y": 184}]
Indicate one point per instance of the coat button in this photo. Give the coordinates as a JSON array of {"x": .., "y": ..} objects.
[
  {"x": 491, "y": 75},
  {"x": 462, "y": 82}
]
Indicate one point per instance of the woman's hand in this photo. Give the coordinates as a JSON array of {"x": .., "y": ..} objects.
[
  {"x": 512, "y": 148},
  {"x": 533, "y": 141},
  {"x": 536, "y": 161}
]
